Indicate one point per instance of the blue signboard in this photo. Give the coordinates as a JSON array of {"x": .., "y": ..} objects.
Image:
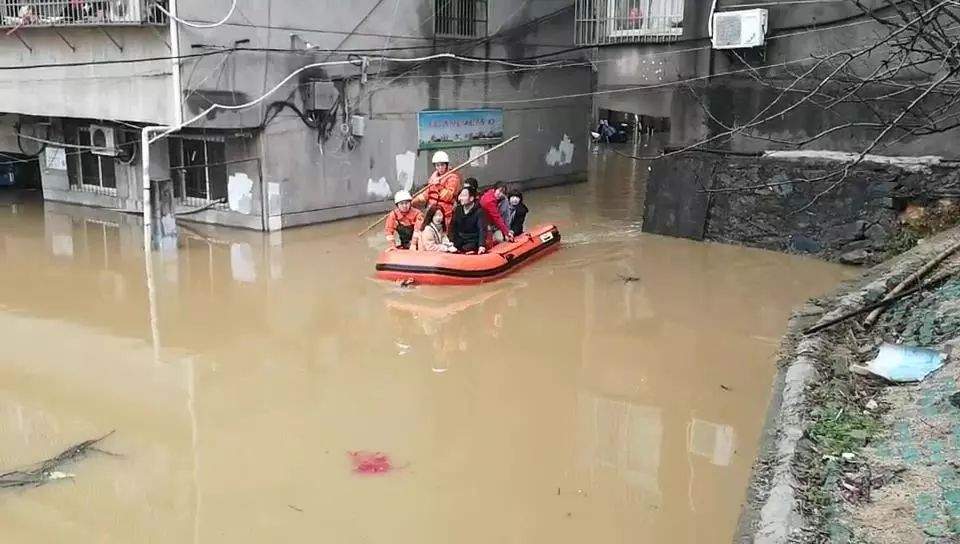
[{"x": 459, "y": 128}]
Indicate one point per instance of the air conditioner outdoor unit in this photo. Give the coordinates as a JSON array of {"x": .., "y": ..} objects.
[
  {"x": 739, "y": 29},
  {"x": 103, "y": 140}
]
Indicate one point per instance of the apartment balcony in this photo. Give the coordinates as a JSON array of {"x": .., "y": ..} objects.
[{"x": 22, "y": 14}]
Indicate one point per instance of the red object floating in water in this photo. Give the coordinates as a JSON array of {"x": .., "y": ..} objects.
[{"x": 365, "y": 462}]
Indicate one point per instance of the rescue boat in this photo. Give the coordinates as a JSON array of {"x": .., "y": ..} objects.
[{"x": 437, "y": 268}]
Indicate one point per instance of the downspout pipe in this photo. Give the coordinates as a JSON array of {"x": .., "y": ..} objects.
[{"x": 146, "y": 134}]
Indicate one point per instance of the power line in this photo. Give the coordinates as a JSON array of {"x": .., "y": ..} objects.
[
  {"x": 115, "y": 61},
  {"x": 690, "y": 80},
  {"x": 225, "y": 50},
  {"x": 293, "y": 74},
  {"x": 486, "y": 101},
  {"x": 785, "y": 2}
]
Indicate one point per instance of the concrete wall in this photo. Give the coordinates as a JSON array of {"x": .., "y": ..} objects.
[
  {"x": 307, "y": 180},
  {"x": 325, "y": 185},
  {"x": 622, "y": 68},
  {"x": 129, "y": 191},
  {"x": 285, "y": 175},
  {"x": 855, "y": 223},
  {"x": 132, "y": 91},
  {"x": 798, "y": 35}
]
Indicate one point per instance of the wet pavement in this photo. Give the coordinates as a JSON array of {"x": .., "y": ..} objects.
[{"x": 565, "y": 403}]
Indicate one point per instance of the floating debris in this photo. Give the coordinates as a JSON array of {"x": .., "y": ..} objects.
[
  {"x": 50, "y": 470},
  {"x": 365, "y": 462}
]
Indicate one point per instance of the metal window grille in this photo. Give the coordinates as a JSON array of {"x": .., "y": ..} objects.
[
  {"x": 27, "y": 13},
  {"x": 199, "y": 172},
  {"x": 88, "y": 172},
  {"x": 460, "y": 18},
  {"x": 603, "y": 22}
]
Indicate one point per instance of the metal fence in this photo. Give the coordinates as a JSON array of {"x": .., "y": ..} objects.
[
  {"x": 55, "y": 13},
  {"x": 460, "y": 18},
  {"x": 93, "y": 189},
  {"x": 603, "y": 22}
]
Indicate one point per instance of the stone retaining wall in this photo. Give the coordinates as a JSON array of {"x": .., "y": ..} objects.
[{"x": 755, "y": 201}]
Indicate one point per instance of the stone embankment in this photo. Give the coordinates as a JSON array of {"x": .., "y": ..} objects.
[{"x": 851, "y": 458}]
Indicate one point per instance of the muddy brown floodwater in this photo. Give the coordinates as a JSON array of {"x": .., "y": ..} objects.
[{"x": 563, "y": 404}]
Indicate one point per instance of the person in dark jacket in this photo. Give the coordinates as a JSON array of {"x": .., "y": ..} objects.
[
  {"x": 472, "y": 182},
  {"x": 513, "y": 210},
  {"x": 469, "y": 223}
]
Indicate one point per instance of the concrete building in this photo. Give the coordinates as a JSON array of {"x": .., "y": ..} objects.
[
  {"x": 837, "y": 131},
  {"x": 655, "y": 60},
  {"x": 332, "y": 142}
]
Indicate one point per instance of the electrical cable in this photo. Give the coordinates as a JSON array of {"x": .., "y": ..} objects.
[
  {"x": 190, "y": 24},
  {"x": 284, "y": 81},
  {"x": 804, "y": 28},
  {"x": 487, "y": 101},
  {"x": 16, "y": 129}
]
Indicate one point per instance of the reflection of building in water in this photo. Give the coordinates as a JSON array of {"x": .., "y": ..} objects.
[
  {"x": 622, "y": 438},
  {"x": 711, "y": 440}
]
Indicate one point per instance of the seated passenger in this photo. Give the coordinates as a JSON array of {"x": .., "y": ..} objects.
[
  {"x": 490, "y": 202},
  {"x": 513, "y": 210},
  {"x": 469, "y": 225},
  {"x": 433, "y": 234},
  {"x": 472, "y": 182},
  {"x": 402, "y": 222}
]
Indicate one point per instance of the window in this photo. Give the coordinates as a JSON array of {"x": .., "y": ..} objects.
[
  {"x": 86, "y": 170},
  {"x": 460, "y": 18},
  {"x": 600, "y": 22},
  {"x": 200, "y": 172}
]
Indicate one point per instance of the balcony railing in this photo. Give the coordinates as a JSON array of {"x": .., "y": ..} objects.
[
  {"x": 60, "y": 13},
  {"x": 604, "y": 22}
]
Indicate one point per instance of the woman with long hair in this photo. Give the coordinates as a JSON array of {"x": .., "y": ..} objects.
[{"x": 433, "y": 234}]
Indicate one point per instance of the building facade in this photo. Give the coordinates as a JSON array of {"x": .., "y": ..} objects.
[
  {"x": 655, "y": 59},
  {"x": 314, "y": 125}
]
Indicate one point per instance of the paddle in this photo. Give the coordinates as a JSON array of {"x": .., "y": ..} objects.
[{"x": 424, "y": 188}]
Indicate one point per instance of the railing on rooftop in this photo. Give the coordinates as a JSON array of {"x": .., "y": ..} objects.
[
  {"x": 606, "y": 22},
  {"x": 62, "y": 13}
]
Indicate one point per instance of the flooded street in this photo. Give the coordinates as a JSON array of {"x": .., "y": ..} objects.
[{"x": 612, "y": 392}]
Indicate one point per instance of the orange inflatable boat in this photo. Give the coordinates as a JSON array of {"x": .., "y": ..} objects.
[{"x": 436, "y": 268}]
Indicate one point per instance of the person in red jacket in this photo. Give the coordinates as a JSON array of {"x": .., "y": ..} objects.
[
  {"x": 490, "y": 204},
  {"x": 442, "y": 187}
]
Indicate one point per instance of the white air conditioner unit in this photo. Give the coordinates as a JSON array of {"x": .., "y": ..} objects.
[
  {"x": 739, "y": 29},
  {"x": 103, "y": 140}
]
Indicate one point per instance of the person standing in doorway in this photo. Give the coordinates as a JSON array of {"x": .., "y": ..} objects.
[{"x": 442, "y": 187}]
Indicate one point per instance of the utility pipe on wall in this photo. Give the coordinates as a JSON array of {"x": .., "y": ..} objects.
[
  {"x": 175, "y": 79},
  {"x": 145, "y": 135}
]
